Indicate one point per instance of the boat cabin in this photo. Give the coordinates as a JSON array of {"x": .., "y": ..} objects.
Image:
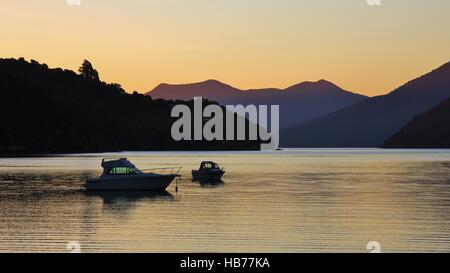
[
  {"x": 119, "y": 167},
  {"x": 208, "y": 165}
]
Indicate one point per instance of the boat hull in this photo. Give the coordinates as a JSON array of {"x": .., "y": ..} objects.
[
  {"x": 130, "y": 183},
  {"x": 207, "y": 175}
]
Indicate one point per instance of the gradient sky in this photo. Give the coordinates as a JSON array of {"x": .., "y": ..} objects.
[{"x": 246, "y": 43}]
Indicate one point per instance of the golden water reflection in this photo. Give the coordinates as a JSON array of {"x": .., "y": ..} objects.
[{"x": 291, "y": 201}]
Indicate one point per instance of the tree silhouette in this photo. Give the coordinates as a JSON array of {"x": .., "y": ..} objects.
[
  {"x": 67, "y": 114},
  {"x": 88, "y": 72}
]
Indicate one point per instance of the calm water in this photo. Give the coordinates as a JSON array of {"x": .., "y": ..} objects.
[{"x": 291, "y": 201}]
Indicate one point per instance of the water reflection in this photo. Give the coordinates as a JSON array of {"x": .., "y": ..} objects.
[
  {"x": 291, "y": 201},
  {"x": 121, "y": 205},
  {"x": 129, "y": 197},
  {"x": 210, "y": 183},
  {"x": 124, "y": 201}
]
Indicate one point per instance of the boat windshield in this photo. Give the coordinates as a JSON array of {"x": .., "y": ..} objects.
[
  {"x": 210, "y": 166},
  {"x": 123, "y": 170}
]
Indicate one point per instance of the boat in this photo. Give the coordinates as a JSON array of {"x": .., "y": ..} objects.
[
  {"x": 121, "y": 175},
  {"x": 208, "y": 171}
]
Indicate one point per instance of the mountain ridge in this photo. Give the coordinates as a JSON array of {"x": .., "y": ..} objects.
[
  {"x": 298, "y": 103},
  {"x": 370, "y": 122},
  {"x": 216, "y": 83},
  {"x": 430, "y": 129}
]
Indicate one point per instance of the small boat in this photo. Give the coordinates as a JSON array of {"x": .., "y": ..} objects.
[
  {"x": 208, "y": 171},
  {"x": 122, "y": 175}
]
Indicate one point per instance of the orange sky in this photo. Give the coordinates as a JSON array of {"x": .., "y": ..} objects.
[{"x": 246, "y": 43}]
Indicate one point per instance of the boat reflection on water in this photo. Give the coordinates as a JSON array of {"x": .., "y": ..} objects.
[
  {"x": 121, "y": 204},
  {"x": 210, "y": 183},
  {"x": 128, "y": 197}
]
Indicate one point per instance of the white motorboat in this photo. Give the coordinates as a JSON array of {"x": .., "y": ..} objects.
[{"x": 122, "y": 175}]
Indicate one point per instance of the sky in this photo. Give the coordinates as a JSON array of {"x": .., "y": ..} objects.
[{"x": 246, "y": 43}]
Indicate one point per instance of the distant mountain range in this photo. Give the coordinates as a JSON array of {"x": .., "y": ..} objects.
[
  {"x": 370, "y": 122},
  {"x": 55, "y": 111},
  {"x": 298, "y": 104},
  {"x": 428, "y": 130}
]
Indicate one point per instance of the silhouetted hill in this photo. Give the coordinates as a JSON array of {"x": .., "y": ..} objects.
[
  {"x": 370, "y": 122},
  {"x": 53, "y": 110},
  {"x": 428, "y": 130},
  {"x": 298, "y": 103}
]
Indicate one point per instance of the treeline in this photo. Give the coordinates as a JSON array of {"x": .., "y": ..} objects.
[{"x": 46, "y": 110}]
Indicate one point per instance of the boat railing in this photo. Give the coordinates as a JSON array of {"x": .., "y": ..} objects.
[{"x": 168, "y": 170}]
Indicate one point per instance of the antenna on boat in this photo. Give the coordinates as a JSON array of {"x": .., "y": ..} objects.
[{"x": 177, "y": 179}]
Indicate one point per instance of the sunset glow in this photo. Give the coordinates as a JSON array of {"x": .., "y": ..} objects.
[{"x": 245, "y": 43}]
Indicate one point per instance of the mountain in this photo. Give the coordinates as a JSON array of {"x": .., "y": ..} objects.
[
  {"x": 428, "y": 130},
  {"x": 53, "y": 110},
  {"x": 370, "y": 122},
  {"x": 298, "y": 103}
]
